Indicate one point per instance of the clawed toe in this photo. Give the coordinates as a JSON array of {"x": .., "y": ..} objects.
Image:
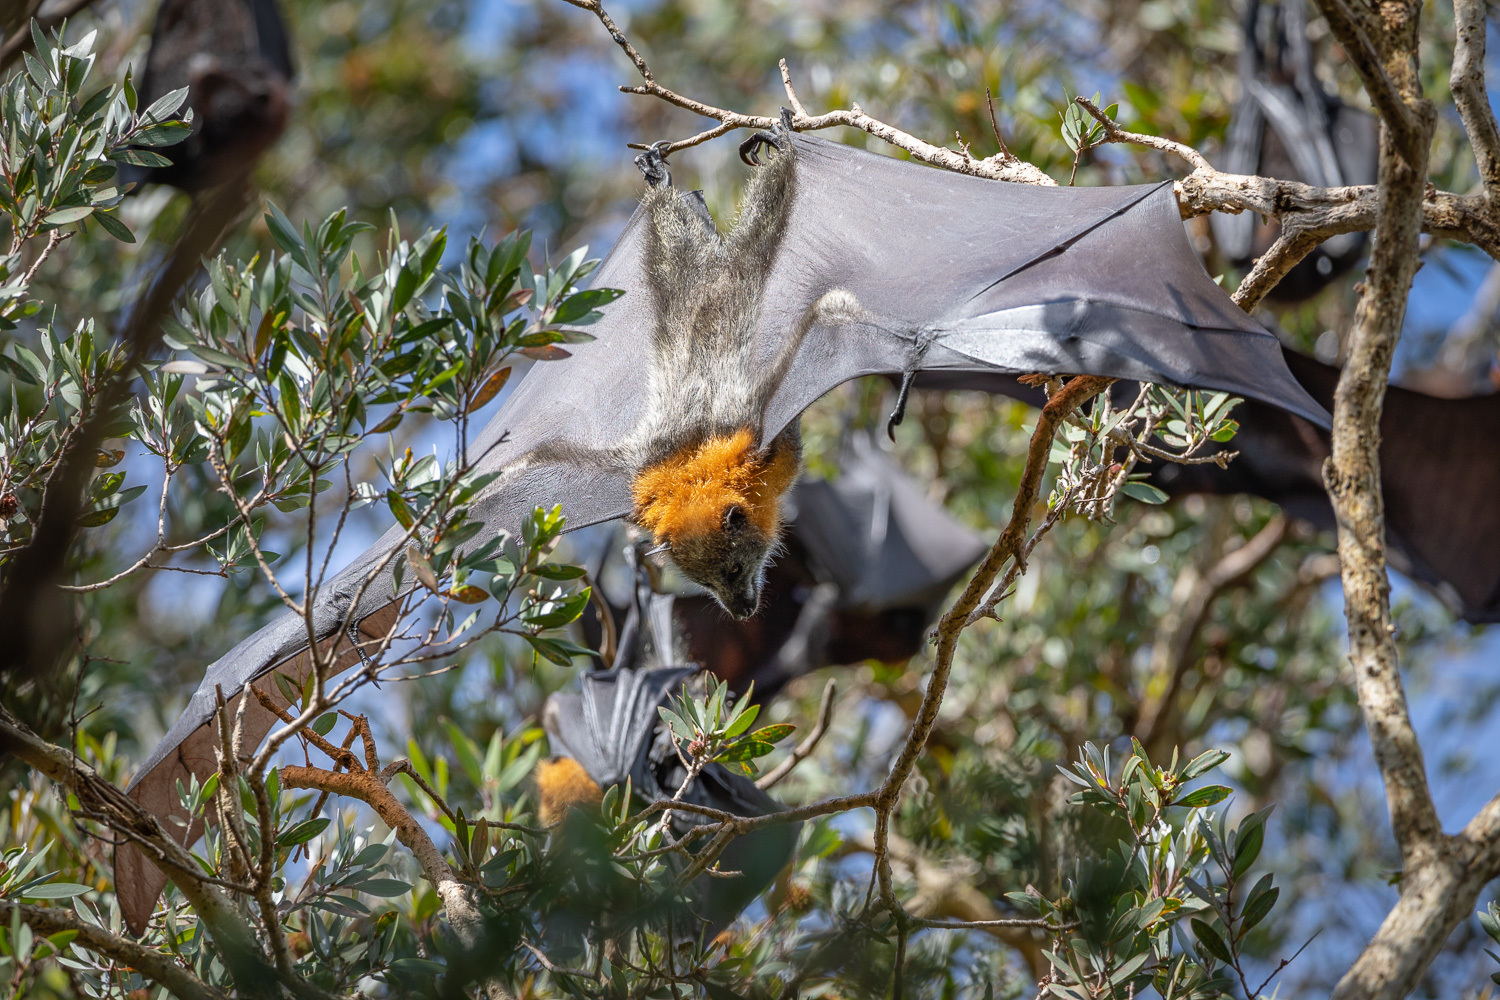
[
  {"x": 653, "y": 164},
  {"x": 778, "y": 138}
]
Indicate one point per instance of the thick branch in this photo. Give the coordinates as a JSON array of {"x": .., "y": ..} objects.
[
  {"x": 1470, "y": 96},
  {"x": 1291, "y": 245},
  {"x": 1437, "y": 888},
  {"x": 467, "y": 921},
  {"x": 157, "y": 966},
  {"x": 1351, "y": 29}
]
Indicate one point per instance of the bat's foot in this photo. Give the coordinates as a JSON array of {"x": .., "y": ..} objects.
[
  {"x": 653, "y": 165},
  {"x": 779, "y": 138}
]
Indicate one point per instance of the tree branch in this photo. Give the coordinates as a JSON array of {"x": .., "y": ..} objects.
[
  {"x": 1352, "y": 30},
  {"x": 1114, "y": 133},
  {"x": 1470, "y": 95},
  {"x": 158, "y": 966},
  {"x": 1313, "y": 213},
  {"x": 368, "y": 787},
  {"x": 1291, "y": 245},
  {"x": 807, "y": 746},
  {"x": 1008, "y": 546}
]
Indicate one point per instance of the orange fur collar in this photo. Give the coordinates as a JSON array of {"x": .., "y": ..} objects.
[{"x": 687, "y": 493}]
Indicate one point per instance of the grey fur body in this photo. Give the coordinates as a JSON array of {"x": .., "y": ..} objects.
[{"x": 705, "y": 378}]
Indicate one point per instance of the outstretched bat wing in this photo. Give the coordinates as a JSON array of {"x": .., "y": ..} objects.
[
  {"x": 963, "y": 275},
  {"x": 953, "y": 276}
]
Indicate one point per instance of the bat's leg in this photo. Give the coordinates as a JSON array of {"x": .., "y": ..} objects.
[
  {"x": 753, "y": 243},
  {"x": 777, "y": 139},
  {"x": 653, "y": 165}
]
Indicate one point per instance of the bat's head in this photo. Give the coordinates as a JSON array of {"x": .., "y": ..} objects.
[
  {"x": 716, "y": 506},
  {"x": 730, "y": 562}
]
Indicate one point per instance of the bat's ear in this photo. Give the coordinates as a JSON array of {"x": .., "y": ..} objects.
[{"x": 735, "y": 517}]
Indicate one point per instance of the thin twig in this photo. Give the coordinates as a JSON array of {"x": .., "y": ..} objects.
[
  {"x": 808, "y": 745},
  {"x": 1114, "y": 133}
]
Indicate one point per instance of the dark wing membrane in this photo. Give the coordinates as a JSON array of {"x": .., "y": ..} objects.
[
  {"x": 613, "y": 729},
  {"x": 1440, "y": 475},
  {"x": 608, "y": 727},
  {"x": 957, "y": 273},
  {"x": 879, "y": 537}
]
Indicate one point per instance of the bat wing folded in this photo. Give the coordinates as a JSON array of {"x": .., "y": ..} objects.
[{"x": 953, "y": 276}]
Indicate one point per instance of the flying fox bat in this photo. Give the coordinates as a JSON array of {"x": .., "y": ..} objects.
[
  {"x": 1286, "y": 125},
  {"x": 233, "y": 57},
  {"x": 611, "y": 732},
  {"x": 1439, "y": 472},
  {"x": 842, "y": 263}
]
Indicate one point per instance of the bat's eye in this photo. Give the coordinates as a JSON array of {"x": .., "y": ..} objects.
[
  {"x": 734, "y": 517},
  {"x": 736, "y": 571}
]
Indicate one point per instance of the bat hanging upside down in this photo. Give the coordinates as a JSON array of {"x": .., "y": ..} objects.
[{"x": 704, "y": 481}]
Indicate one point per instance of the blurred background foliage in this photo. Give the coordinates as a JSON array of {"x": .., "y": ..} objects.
[{"x": 489, "y": 115}]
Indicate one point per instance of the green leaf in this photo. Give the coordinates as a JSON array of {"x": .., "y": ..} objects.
[
  {"x": 166, "y": 105},
  {"x": 742, "y": 722},
  {"x": 557, "y": 651},
  {"x": 1208, "y": 795},
  {"x": 1262, "y": 898},
  {"x": 17, "y": 370},
  {"x": 1211, "y": 941},
  {"x": 1247, "y": 845},
  {"x": 558, "y": 571},
  {"x": 323, "y": 724},
  {"x": 773, "y": 734},
  {"x": 1144, "y": 492},
  {"x": 55, "y": 890},
  {"x": 114, "y": 227},
  {"x": 161, "y": 135},
  {"x": 141, "y": 158},
  {"x": 677, "y": 724},
  {"x": 302, "y": 832},
  {"x": 747, "y": 750},
  {"x": 66, "y": 215},
  {"x": 386, "y": 888}
]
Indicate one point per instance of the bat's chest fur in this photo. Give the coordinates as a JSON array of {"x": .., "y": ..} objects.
[{"x": 688, "y": 493}]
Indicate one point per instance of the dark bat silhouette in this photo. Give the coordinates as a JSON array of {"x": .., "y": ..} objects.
[
  {"x": 232, "y": 55},
  {"x": 1439, "y": 470},
  {"x": 868, "y": 561},
  {"x": 613, "y": 730},
  {"x": 952, "y": 277},
  {"x": 1286, "y": 125}
]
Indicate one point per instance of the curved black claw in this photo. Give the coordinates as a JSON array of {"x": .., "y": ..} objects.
[
  {"x": 653, "y": 164},
  {"x": 777, "y": 139}
]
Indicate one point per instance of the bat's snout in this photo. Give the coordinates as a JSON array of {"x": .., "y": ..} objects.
[{"x": 743, "y": 603}]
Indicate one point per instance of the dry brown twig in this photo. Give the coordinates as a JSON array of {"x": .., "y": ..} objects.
[
  {"x": 808, "y": 745},
  {"x": 368, "y": 785}
]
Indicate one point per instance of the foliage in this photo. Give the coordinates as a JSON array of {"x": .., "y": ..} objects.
[{"x": 321, "y": 368}]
